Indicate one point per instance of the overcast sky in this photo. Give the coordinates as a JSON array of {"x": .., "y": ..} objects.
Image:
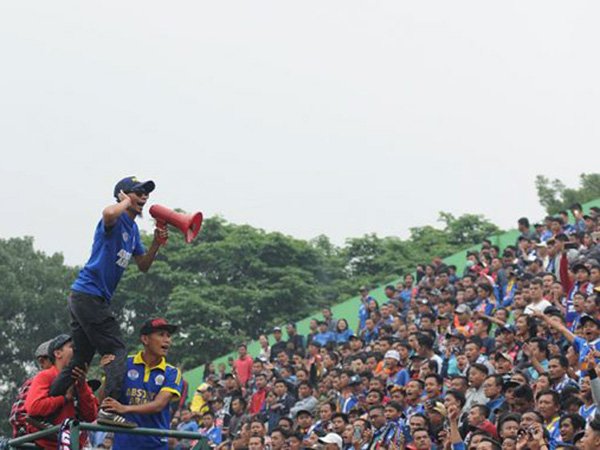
[{"x": 335, "y": 117}]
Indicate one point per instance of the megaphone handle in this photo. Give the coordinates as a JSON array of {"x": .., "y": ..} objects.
[{"x": 161, "y": 225}]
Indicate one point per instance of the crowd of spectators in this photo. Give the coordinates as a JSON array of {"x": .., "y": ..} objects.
[
  {"x": 504, "y": 355},
  {"x": 501, "y": 356}
]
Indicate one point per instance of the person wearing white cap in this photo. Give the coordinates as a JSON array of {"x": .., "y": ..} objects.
[
  {"x": 397, "y": 375},
  {"x": 332, "y": 441}
]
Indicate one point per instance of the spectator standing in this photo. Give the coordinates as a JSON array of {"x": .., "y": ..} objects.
[
  {"x": 525, "y": 229},
  {"x": 363, "y": 310},
  {"x": 41, "y": 405},
  {"x": 329, "y": 319},
  {"x": 243, "y": 365},
  {"x": 265, "y": 348},
  {"x": 295, "y": 341},
  {"x": 279, "y": 344}
]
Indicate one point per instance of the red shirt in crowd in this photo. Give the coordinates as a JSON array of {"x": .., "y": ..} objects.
[
  {"x": 243, "y": 369},
  {"x": 40, "y": 404},
  {"x": 257, "y": 401}
]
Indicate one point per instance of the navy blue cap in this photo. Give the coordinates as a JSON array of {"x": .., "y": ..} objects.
[
  {"x": 587, "y": 318},
  {"x": 132, "y": 184}
]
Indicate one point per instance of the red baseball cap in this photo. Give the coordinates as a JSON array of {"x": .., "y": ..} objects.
[{"x": 158, "y": 323}]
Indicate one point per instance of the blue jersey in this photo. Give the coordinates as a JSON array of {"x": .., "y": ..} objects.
[
  {"x": 553, "y": 429},
  {"x": 583, "y": 347},
  {"x": 346, "y": 404},
  {"x": 111, "y": 251},
  {"x": 400, "y": 378},
  {"x": 142, "y": 384},
  {"x": 588, "y": 412},
  {"x": 344, "y": 336},
  {"x": 363, "y": 315},
  {"x": 324, "y": 338},
  {"x": 213, "y": 435}
]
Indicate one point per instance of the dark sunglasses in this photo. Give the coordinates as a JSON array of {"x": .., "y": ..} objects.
[{"x": 138, "y": 193}]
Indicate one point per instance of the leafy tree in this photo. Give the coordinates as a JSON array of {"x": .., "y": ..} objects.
[
  {"x": 374, "y": 260},
  {"x": 33, "y": 289},
  {"x": 467, "y": 230},
  {"x": 555, "y": 196}
]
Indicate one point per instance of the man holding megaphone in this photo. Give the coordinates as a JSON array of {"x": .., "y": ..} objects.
[{"x": 94, "y": 328}]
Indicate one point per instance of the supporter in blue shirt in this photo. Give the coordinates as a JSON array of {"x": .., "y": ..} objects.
[
  {"x": 94, "y": 327},
  {"x": 150, "y": 385},
  {"x": 350, "y": 383},
  {"x": 189, "y": 424},
  {"x": 567, "y": 227},
  {"x": 591, "y": 331},
  {"x": 408, "y": 291},
  {"x": 209, "y": 430},
  {"x": 187, "y": 421},
  {"x": 370, "y": 333},
  {"x": 493, "y": 388},
  {"x": 548, "y": 405},
  {"x": 397, "y": 376},
  {"x": 577, "y": 211},
  {"x": 343, "y": 333},
  {"x": 485, "y": 303},
  {"x": 364, "y": 309},
  {"x": 324, "y": 336},
  {"x": 589, "y": 407}
]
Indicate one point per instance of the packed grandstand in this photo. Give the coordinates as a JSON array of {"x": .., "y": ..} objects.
[{"x": 500, "y": 354}]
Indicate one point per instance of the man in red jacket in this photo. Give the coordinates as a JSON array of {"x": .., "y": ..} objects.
[
  {"x": 258, "y": 397},
  {"x": 40, "y": 405}
]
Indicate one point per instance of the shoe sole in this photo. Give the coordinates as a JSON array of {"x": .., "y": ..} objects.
[{"x": 112, "y": 423}]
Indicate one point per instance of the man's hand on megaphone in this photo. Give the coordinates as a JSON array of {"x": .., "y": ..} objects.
[{"x": 161, "y": 235}]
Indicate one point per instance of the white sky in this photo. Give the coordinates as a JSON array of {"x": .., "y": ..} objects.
[{"x": 334, "y": 117}]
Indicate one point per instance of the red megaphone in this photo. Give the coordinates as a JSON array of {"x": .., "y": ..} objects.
[{"x": 188, "y": 224}]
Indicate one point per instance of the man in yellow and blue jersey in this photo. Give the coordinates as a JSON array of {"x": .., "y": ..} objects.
[{"x": 149, "y": 386}]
